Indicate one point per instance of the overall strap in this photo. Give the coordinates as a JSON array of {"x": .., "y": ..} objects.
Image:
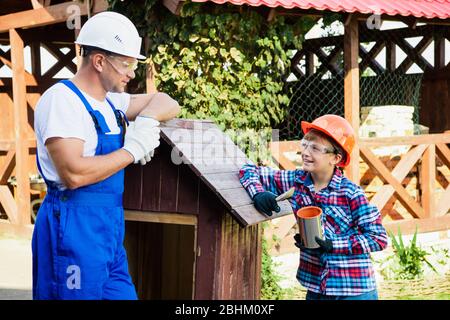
[
  {"x": 121, "y": 118},
  {"x": 99, "y": 121}
]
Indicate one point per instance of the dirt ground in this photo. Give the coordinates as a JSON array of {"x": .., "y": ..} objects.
[{"x": 15, "y": 268}]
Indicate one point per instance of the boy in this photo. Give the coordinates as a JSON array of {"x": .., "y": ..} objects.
[{"x": 340, "y": 269}]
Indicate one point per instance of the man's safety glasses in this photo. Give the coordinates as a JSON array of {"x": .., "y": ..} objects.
[
  {"x": 123, "y": 67},
  {"x": 315, "y": 148}
]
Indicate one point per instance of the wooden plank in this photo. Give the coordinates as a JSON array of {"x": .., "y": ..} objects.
[
  {"x": 443, "y": 153},
  {"x": 151, "y": 183},
  {"x": 188, "y": 191},
  {"x": 222, "y": 181},
  {"x": 10, "y": 206},
  {"x": 49, "y": 15},
  {"x": 278, "y": 148},
  {"x": 236, "y": 197},
  {"x": 390, "y": 56},
  {"x": 20, "y": 124},
  {"x": 351, "y": 90},
  {"x": 428, "y": 178},
  {"x": 186, "y": 257},
  {"x": 160, "y": 217},
  {"x": 209, "y": 236},
  {"x": 423, "y": 225},
  {"x": 439, "y": 51},
  {"x": 248, "y": 215},
  {"x": 8, "y": 166},
  {"x": 438, "y": 138},
  {"x": 399, "y": 172},
  {"x": 132, "y": 195},
  {"x": 169, "y": 181},
  {"x": 443, "y": 206},
  {"x": 406, "y": 200},
  {"x": 258, "y": 260}
]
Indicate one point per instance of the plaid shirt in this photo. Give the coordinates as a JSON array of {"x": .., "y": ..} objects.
[{"x": 349, "y": 221}]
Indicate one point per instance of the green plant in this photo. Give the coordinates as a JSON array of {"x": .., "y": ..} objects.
[
  {"x": 222, "y": 62},
  {"x": 410, "y": 258},
  {"x": 270, "y": 289}
]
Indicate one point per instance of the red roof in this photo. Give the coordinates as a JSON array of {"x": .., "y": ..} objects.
[{"x": 416, "y": 8}]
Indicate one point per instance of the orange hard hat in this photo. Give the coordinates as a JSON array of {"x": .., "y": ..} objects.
[{"x": 338, "y": 129}]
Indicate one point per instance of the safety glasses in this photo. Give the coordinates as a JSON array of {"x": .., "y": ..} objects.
[
  {"x": 315, "y": 148},
  {"x": 121, "y": 66}
]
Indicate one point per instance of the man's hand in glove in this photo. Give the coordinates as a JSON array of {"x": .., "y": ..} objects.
[
  {"x": 142, "y": 137},
  {"x": 265, "y": 202}
]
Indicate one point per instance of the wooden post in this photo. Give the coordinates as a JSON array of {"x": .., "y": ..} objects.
[
  {"x": 428, "y": 177},
  {"x": 351, "y": 90},
  {"x": 439, "y": 51},
  {"x": 20, "y": 126},
  {"x": 150, "y": 72}
]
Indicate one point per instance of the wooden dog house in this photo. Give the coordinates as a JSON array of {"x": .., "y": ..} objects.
[{"x": 192, "y": 231}]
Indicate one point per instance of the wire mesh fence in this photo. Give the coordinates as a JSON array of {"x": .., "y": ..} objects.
[{"x": 388, "y": 75}]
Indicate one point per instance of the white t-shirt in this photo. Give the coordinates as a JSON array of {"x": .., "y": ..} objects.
[{"x": 61, "y": 113}]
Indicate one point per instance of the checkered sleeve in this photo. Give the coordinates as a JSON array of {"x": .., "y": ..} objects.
[
  {"x": 259, "y": 179},
  {"x": 367, "y": 219}
]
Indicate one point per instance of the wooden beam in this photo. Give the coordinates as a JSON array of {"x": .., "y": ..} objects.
[
  {"x": 399, "y": 172},
  {"x": 423, "y": 225},
  {"x": 443, "y": 205},
  {"x": 10, "y": 206},
  {"x": 161, "y": 217},
  {"x": 438, "y": 138},
  {"x": 427, "y": 180},
  {"x": 383, "y": 173},
  {"x": 443, "y": 153},
  {"x": 439, "y": 51},
  {"x": 46, "y": 15},
  {"x": 390, "y": 56},
  {"x": 20, "y": 125},
  {"x": 174, "y": 6},
  {"x": 278, "y": 148},
  {"x": 6, "y": 144},
  {"x": 8, "y": 166},
  {"x": 351, "y": 91}
]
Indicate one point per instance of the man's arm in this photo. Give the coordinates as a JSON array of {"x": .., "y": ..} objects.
[
  {"x": 77, "y": 171},
  {"x": 159, "y": 106}
]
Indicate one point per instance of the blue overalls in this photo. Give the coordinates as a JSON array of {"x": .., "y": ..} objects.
[{"x": 77, "y": 244}]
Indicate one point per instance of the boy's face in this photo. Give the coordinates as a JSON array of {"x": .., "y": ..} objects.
[{"x": 318, "y": 154}]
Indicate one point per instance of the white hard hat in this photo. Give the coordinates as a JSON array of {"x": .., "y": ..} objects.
[{"x": 113, "y": 32}]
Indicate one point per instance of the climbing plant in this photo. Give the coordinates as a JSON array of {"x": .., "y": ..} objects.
[{"x": 220, "y": 62}]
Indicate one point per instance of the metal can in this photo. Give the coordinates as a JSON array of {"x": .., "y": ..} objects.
[{"x": 309, "y": 221}]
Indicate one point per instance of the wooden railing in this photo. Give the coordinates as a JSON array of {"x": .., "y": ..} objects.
[{"x": 428, "y": 213}]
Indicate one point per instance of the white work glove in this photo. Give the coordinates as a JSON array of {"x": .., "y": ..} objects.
[
  {"x": 147, "y": 158},
  {"x": 142, "y": 137}
]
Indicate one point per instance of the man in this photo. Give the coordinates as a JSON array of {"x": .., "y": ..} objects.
[{"x": 83, "y": 145}]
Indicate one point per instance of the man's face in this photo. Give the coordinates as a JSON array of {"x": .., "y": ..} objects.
[{"x": 117, "y": 71}]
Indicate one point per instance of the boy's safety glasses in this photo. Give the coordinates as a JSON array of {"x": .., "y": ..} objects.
[{"x": 315, "y": 148}]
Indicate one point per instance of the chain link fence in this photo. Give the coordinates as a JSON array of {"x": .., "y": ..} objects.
[{"x": 388, "y": 78}]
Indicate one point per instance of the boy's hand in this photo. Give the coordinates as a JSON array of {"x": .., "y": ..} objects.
[
  {"x": 298, "y": 241},
  {"x": 326, "y": 245},
  {"x": 265, "y": 202}
]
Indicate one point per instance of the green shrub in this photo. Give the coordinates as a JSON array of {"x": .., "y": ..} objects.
[
  {"x": 409, "y": 260},
  {"x": 270, "y": 289}
]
